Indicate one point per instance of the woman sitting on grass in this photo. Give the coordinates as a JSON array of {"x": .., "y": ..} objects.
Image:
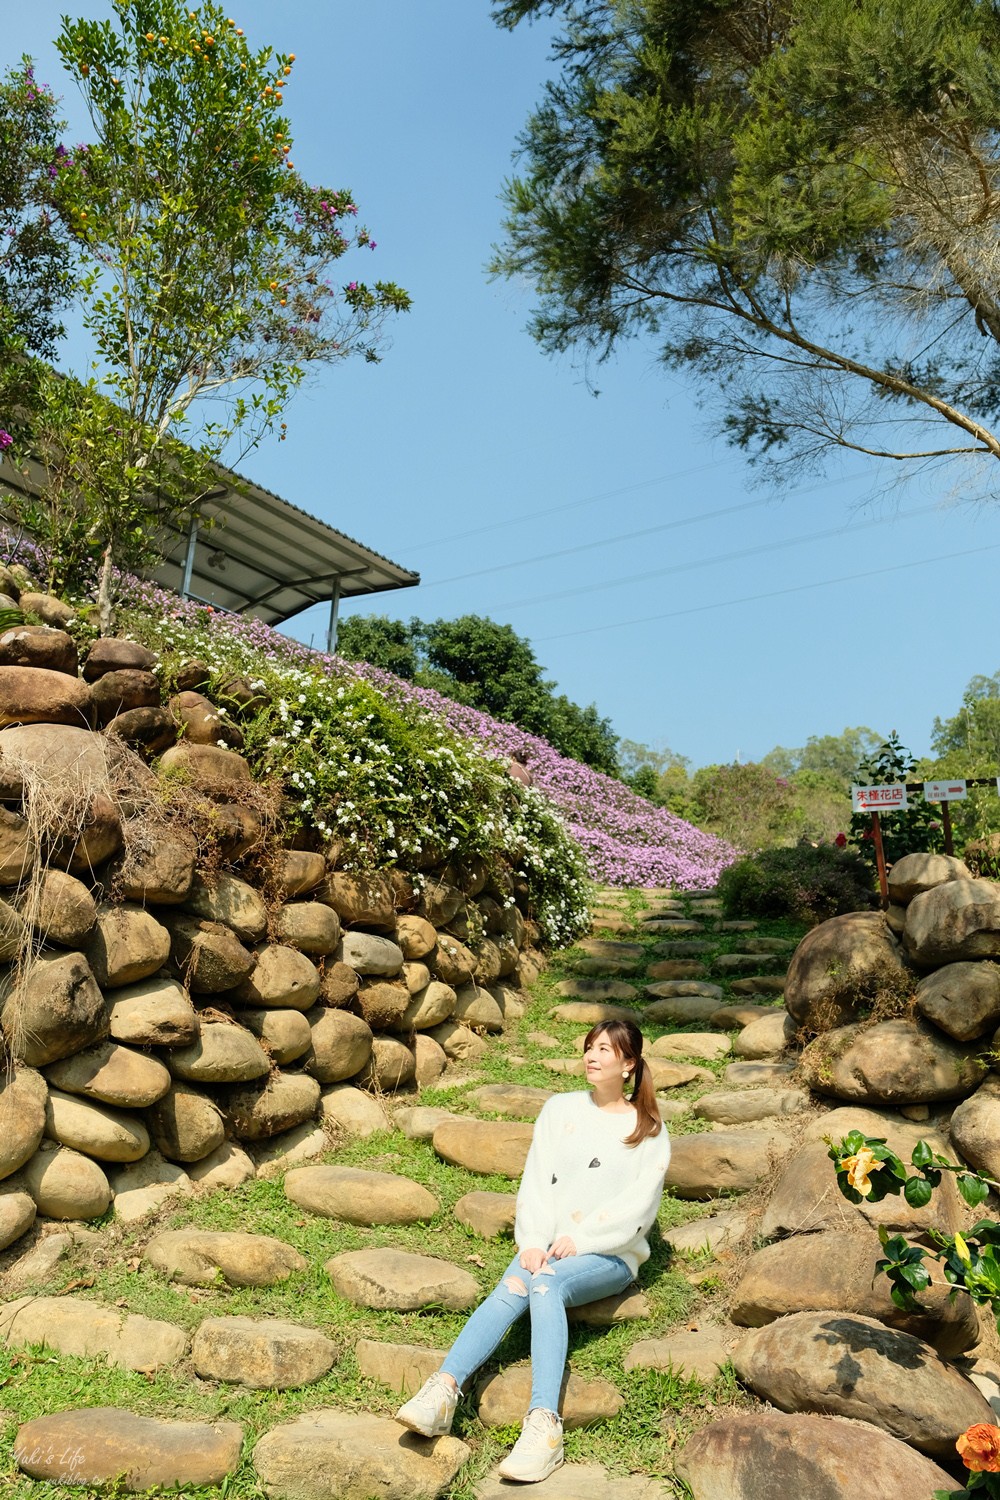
[{"x": 590, "y": 1192}]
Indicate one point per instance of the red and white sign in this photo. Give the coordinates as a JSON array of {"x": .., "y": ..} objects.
[
  {"x": 945, "y": 791},
  {"x": 879, "y": 798}
]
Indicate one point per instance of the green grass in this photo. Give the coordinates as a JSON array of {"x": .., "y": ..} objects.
[{"x": 660, "y": 1408}]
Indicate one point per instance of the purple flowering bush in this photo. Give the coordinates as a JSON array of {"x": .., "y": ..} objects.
[{"x": 624, "y": 839}]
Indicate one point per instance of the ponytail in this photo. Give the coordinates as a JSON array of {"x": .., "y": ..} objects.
[
  {"x": 648, "y": 1121},
  {"x": 626, "y": 1038}
]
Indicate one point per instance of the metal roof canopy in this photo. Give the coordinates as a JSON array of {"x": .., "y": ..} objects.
[
  {"x": 250, "y": 552},
  {"x": 264, "y": 557}
]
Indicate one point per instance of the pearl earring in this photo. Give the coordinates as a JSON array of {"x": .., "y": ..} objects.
[{"x": 625, "y": 1072}]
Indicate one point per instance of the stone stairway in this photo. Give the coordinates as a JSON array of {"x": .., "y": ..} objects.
[{"x": 662, "y": 957}]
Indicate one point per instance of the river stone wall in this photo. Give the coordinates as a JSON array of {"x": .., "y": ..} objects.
[{"x": 182, "y": 996}]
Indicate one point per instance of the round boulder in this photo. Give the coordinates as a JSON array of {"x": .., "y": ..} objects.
[
  {"x": 56, "y": 1010},
  {"x": 961, "y": 999},
  {"x": 975, "y": 1128},
  {"x": 415, "y": 936},
  {"x": 122, "y": 691},
  {"x": 430, "y": 1006},
  {"x": 259, "y": 1111},
  {"x": 341, "y": 1045},
  {"x": 222, "y": 1053},
  {"x": 285, "y": 1033},
  {"x": 954, "y": 921},
  {"x": 94, "y": 1129},
  {"x": 38, "y": 646},
  {"x": 111, "y": 1074},
  {"x": 126, "y": 945},
  {"x": 383, "y": 1004},
  {"x": 208, "y": 956},
  {"x": 853, "y": 1366},
  {"x": 66, "y": 911},
  {"x": 23, "y": 1095},
  {"x": 309, "y": 926},
  {"x": 185, "y": 1124},
  {"x": 839, "y": 967},
  {"x": 111, "y": 653},
  {"x": 66, "y": 1185},
  {"x": 766, "y": 1455},
  {"x": 392, "y": 1065},
  {"x": 280, "y": 977},
  {"x": 916, "y": 873},
  {"x": 156, "y": 1012},
  {"x": 368, "y": 954},
  {"x": 359, "y": 900},
  {"x": 37, "y": 695},
  {"x": 227, "y": 899},
  {"x": 893, "y": 1062}
]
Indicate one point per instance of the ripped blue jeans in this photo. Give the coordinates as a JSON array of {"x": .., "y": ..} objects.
[{"x": 545, "y": 1296}]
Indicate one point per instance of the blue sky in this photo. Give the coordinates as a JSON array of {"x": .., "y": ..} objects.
[{"x": 616, "y": 531}]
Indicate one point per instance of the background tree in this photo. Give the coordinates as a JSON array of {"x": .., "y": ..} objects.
[
  {"x": 34, "y": 251},
  {"x": 797, "y": 201},
  {"x": 207, "y": 259},
  {"x": 488, "y": 666},
  {"x": 967, "y": 744},
  {"x": 747, "y": 804},
  {"x": 382, "y": 642}
]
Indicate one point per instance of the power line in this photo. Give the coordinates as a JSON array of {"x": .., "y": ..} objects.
[
  {"x": 630, "y": 536},
  {"x": 554, "y": 510},
  {"x": 709, "y": 562},
  {"x": 798, "y": 588}
]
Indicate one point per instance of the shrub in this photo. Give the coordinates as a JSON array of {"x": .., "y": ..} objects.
[{"x": 808, "y": 882}]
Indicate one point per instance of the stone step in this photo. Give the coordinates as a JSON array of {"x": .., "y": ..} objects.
[
  {"x": 704, "y": 1166},
  {"x": 714, "y": 1232},
  {"x": 487, "y": 1146},
  {"x": 692, "y": 1353},
  {"x": 596, "y": 990},
  {"x": 328, "y": 1454},
  {"x": 91, "y": 1330},
  {"x": 359, "y": 1197},
  {"x": 401, "y": 1281},
  {"x": 599, "y": 948},
  {"x": 707, "y": 1046},
  {"x": 200, "y": 1257},
  {"x": 262, "y": 1353},
  {"x": 106, "y": 1444},
  {"x": 502, "y": 1399}
]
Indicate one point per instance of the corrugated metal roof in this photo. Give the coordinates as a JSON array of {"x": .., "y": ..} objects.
[{"x": 260, "y": 555}]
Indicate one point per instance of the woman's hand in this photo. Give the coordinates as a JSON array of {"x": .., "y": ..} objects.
[
  {"x": 533, "y": 1260},
  {"x": 562, "y": 1247}
]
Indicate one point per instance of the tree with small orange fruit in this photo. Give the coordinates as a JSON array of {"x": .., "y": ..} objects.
[{"x": 207, "y": 261}]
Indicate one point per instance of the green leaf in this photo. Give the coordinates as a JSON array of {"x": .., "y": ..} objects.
[
  {"x": 922, "y": 1154},
  {"x": 973, "y": 1189},
  {"x": 917, "y": 1192}
]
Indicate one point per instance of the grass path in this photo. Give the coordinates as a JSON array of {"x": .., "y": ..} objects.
[{"x": 660, "y": 1408}]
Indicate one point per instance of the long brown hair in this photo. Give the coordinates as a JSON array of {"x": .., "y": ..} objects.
[{"x": 626, "y": 1038}]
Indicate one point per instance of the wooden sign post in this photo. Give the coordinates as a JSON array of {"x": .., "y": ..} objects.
[{"x": 879, "y": 799}]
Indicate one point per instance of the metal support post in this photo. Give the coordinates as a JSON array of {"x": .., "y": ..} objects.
[
  {"x": 331, "y": 634},
  {"x": 192, "y": 542}
]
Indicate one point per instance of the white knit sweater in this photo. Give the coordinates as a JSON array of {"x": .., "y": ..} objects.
[{"x": 581, "y": 1179}]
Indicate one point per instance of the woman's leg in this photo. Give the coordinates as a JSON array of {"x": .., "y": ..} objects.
[
  {"x": 560, "y": 1284},
  {"x": 507, "y": 1302}
]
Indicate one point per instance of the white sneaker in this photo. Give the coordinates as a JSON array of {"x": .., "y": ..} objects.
[
  {"x": 539, "y": 1449},
  {"x": 432, "y": 1410}
]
